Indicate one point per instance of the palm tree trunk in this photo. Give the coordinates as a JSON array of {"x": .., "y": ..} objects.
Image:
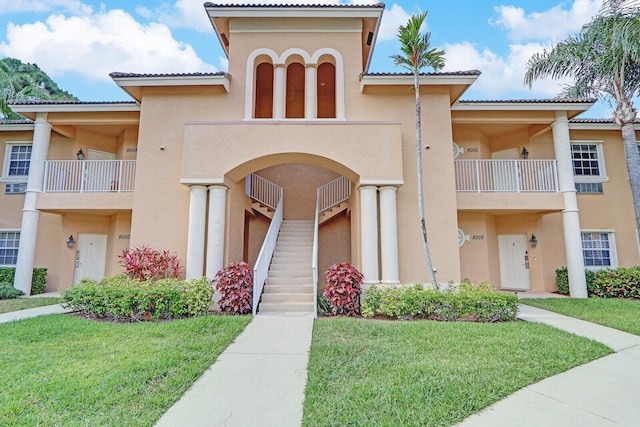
[
  {"x": 425, "y": 242},
  {"x": 633, "y": 166}
]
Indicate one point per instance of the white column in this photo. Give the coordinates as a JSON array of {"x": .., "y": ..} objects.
[
  {"x": 196, "y": 232},
  {"x": 31, "y": 216},
  {"x": 311, "y": 93},
  {"x": 369, "y": 233},
  {"x": 389, "y": 234},
  {"x": 279, "y": 92},
  {"x": 570, "y": 214},
  {"x": 215, "y": 235}
]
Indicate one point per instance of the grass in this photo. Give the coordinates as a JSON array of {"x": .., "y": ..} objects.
[
  {"x": 615, "y": 313},
  {"x": 382, "y": 373},
  {"x": 17, "y": 304},
  {"x": 62, "y": 370}
]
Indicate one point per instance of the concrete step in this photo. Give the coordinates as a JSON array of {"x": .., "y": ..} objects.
[
  {"x": 284, "y": 307},
  {"x": 285, "y": 297},
  {"x": 290, "y": 274},
  {"x": 295, "y": 288},
  {"x": 297, "y": 281},
  {"x": 289, "y": 266}
]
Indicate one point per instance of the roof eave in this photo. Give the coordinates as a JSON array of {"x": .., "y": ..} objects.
[
  {"x": 407, "y": 80},
  {"x": 523, "y": 105},
  {"x": 75, "y": 108}
]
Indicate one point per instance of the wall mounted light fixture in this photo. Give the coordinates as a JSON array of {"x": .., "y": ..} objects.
[
  {"x": 524, "y": 153},
  {"x": 533, "y": 241},
  {"x": 80, "y": 154},
  {"x": 71, "y": 242}
]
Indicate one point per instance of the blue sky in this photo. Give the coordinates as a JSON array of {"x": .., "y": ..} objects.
[{"x": 78, "y": 42}]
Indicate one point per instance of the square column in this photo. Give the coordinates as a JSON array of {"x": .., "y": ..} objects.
[
  {"x": 31, "y": 216},
  {"x": 389, "y": 234},
  {"x": 196, "y": 232},
  {"x": 369, "y": 233},
  {"x": 570, "y": 214},
  {"x": 216, "y": 228}
]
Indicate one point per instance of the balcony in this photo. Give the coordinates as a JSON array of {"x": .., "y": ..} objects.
[
  {"x": 508, "y": 185},
  {"x": 89, "y": 186},
  {"x": 80, "y": 176}
]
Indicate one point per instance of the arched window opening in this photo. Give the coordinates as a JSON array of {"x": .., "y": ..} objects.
[
  {"x": 264, "y": 91},
  {"x": 295, "y": 91},
  {"x": 326, "y": 91}
]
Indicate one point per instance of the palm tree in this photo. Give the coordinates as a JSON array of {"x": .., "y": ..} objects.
[
  {"x": 603, "y": 61},
  {"x": 417, "y": 54}
]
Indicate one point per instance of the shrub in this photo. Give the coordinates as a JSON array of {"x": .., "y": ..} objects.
[
  {"x": 7, "y": 291},
  {"x": 470, "y": 303},
  {"x": 235, "y": 284},
  {"x": 323, "y": 305},
  {"x": 144, "y": 263},
  {"x": 562, "y": 281},
  {"x": 618, "y": 283},
  {"x": 342, "y": 290},
  {"x": 119, "y": 298},
  {"x": 38, "y": 280}
]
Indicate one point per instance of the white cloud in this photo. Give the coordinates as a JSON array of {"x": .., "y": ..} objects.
[
  {"x": 554, "y": 23},
  {"x": 109, "y": 41},
  {"x": 500, "y": 76},
  {"x": 391, "y": 20},
  {"x": 72, "y": 6}
]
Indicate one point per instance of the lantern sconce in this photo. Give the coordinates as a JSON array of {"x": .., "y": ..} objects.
[
  {"x": 524, "y": 153},
  {"x": 80, "y": 154},
  {"x": 533, "y": 241},
  {"x": 71, "y": 242}
]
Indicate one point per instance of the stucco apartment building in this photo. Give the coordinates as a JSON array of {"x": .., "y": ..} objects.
[{"x": 196, "y": 164}]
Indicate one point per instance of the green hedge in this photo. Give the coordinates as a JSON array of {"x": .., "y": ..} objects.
[
  {"x": 119, "y": 298},
  {"x": 38, "y": 280},
  {"x": 7, "y": 291},
  {"x": 467, "y": 304},
  {"x": 606, "y": 283}
]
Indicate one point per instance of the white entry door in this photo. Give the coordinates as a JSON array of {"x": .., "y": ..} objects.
[
  {"x": 99, "y": 175},
  {"x": 90, "y": 256},
  {"x": 506, "y": 173},
  {"x": 514, "y": 268}
]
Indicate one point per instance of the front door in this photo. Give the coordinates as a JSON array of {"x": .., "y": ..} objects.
[
  {"x": 506, "y": 172},
  {"x": 514, "y": 264},
  {"x": 100, "y": 175},
  {"x": 90, "y": 256}
]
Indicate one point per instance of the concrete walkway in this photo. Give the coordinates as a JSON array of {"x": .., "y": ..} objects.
[
  {"x": 259, "y": 380},
  {"x": 32, "y": 312},
  {"x": 600, "y": 393}
]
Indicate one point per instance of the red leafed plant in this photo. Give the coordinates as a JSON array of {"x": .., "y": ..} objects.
[
  {"x": 342, "y": 289},
  {"x": 144, "y": 263},
  {"x": 235, "y": 284}
]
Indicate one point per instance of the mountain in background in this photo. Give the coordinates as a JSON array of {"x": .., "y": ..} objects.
[{"x": 20, "y": 81}]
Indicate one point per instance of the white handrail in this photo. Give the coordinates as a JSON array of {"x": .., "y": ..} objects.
[
  {"x": 314, "y": 256},
  {"x": 261, "y": 267},
  {"x": 506, "y": 175},
  {"x": 262, "y": 190},
  {"x": 68, "y": 176},
  {"x": 333, "y": 193}
]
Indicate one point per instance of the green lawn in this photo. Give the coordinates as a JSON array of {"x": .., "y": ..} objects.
[
  {"x": 16, "y": 304},
  {"x": 62, "y": 370},
  {"x": 383, "y": 373},
  {"x": 616, "y": 313}
]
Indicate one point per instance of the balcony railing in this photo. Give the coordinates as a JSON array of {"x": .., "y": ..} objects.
[
  {"x": 80, "y": 176},
  {"x": 506, "y": 175}
]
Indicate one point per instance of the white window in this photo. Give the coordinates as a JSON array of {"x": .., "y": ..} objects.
[
  {"x": 9, "y": 242},
  {"x": 588, "y": 161},
  {"x": 599, "y": 249}
]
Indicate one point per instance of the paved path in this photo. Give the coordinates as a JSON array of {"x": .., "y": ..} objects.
[
  {"x": 601, "y": 393},
  {"x": 32, "y": 312},
  {"x": 259, "y": 380}
]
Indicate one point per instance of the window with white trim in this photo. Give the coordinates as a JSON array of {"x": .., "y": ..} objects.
[
  {"x": 588, "y": 166},
  {"x": 15, "y": 170},
  {"x": 9, "y": 242},
  {"x": 599, "y": 249}
]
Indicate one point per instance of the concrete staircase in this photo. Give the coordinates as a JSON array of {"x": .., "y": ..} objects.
[{"x": 289, "y": 286}]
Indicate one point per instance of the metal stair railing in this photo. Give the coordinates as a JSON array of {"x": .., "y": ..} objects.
[
  {"x": 261, "y": 267},
  {"x": 262, "y": 190}
]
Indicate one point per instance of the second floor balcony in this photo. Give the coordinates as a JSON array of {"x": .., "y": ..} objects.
[
  {"x": 506, "y": 176},
  {"x": 80, "y": 176}
]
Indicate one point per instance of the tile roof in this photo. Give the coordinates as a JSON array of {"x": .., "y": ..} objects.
[
  {"x": 293, "y": 6},
  {"x": 118, "y": 75},
  {"x": 16, "y": 122},
  {"x": 66, "y": 102},
  {"x": 595, "y": 121},
  {"x": 529, "y": 101},
  {"x": 440, "y": 73}
]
